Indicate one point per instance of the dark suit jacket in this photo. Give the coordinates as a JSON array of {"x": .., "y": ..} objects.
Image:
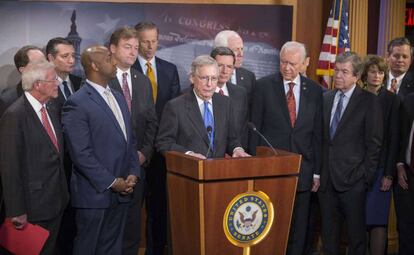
[
  {"x": 60, "y": 100},
  {"x": 407, "y": 85},
  {"x": 143, "y": 117},
  {"x": 247, "y": 79},
  {"x": 407, "y": 118},
  {"x": 9, "y": 95},
  {"x": 182, "y": 128},
  {"x": 168, "y": 83},
  {"x": 238, "y": 98},
  {"x": 97, "y": 147},
  {"x": 390, "y": 144},
  {"x": 270, "y": 115},
  {"x": 353, "y": 152},
  {"x": 33, "y": 178}
]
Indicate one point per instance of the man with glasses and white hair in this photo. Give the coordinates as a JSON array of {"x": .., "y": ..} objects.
[
  {"x": 31, "y": 155},
  {"x": 287, "y": 109},
  {"x": 200, "y": 123}
]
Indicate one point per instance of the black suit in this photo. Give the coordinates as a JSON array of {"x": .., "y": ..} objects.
[
  {"x": 270, "y": 115},
  {"x": 246, "y": 79},
  {"x": 33, "y": 177},
  {"x": 238, "y": 98},
  {"x": 404, "y": 199},
  {"x": 407, "y": 85},
  {"x": 182, "y": 128},
  {"x": 144, "y": 125},
  {"x": 168, "y": 87},
  {"x": 349, "y": 163}
]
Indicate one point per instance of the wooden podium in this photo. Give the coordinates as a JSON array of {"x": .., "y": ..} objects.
[{"x": 200, "y": 190}]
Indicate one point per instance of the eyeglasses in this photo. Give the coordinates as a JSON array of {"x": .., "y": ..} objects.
[{"x": 206, "y": 79}]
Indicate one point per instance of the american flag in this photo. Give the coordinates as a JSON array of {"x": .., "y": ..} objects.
[{"x": 335, "y": 41}]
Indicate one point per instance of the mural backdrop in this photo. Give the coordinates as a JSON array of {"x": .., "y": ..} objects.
[{"x": 186, "y": 30}]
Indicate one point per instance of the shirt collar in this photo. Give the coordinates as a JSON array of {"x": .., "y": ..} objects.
[
  {"x": 98, "y": 87},
  {"x": 296, "y": 81},
  {"x": 348, "y": 94},
  {"x": 143, "y": 61},
  {"x": 201, "y": 101},
  {"x": 398, "y": 78},
  {"x": 119, "y": 73},
  {"x": 34, "y": 102}
]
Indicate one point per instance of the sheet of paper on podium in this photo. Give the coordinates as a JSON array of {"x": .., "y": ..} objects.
[{"x": 28, "y": 241}]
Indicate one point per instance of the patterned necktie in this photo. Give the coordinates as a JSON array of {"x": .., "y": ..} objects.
[
  {"x": 291, "y": 103},
  {"x": 48, "y": 128},
  {"x": 209, "y": 122},
  {"x": 125, "y": 90},
  {"x": 337, "y": 116},
  {"x": 115, "y": 111},
  {"x": 221, "y": 92},
  {"x": 151, "y": 77},
  {"x": 393, "y": 87},
  {"x": 66, "y": 89}
]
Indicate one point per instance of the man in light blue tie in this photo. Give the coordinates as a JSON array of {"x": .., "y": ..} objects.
[
  {"x": 200, "y": 123},
  {"x": 350, "y": 149}
]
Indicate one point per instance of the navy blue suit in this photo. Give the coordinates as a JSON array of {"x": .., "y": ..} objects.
[{"x": 100, "y": 154}]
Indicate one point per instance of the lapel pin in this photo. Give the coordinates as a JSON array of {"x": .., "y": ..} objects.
[
  {"x": 242, "y": 78},
  {"x": 135, "y": 76}
]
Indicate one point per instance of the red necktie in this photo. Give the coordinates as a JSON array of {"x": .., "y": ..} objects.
[
  {"x": 291, "y": 103},
  {"x": 48, "y": 128},
  {"x": 221, "y": 92},
  {"x": 393, "y": 87},
  {"x": 125, "y": 90}
]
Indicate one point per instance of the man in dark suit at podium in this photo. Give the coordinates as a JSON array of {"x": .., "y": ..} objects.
[
  {"x": 165, "y": 84},
  {"x": 200, "y": 123},
  {"x": 287, "y": 109},
  {"x": 351, "y": 146},
  {"x": 225, "y": 59},
  {"x": 136, "y": 89},
  {"x": 241, "y": 76}
]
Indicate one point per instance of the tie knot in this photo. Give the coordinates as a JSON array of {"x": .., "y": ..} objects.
[
  {"x": 43, "y": 109},
  {"x": 291, "y": 85},
  {"x": 341, "y": 95},
  {"x": 124, "y": 75},
  {"x": 65, "y": 83},
  {"x": 148, "y": 64}
]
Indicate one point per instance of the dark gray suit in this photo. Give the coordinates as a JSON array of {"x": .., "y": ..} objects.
[
  {"x": 238, "y": 98},
  {"x": 349, "y": 163},
  {"x": 33, "y": 178},
  {"x": 144, "y": 125},
  {"x": 182, "y": 128},
  {"x": 270, "y": 115},
  {"x": 407, "y": 85}
]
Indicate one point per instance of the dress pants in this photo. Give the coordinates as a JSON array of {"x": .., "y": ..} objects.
[
  {"x": 132, "y": 231},
  {"x": 404, "y": 208},
  {"x": 343, "y": 207},
  {"x": 100, "y": 231},
  {"x": 298, "y": 225},
  {"x": 53, "y": 226}
]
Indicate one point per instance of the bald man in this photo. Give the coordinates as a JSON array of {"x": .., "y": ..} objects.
[{"x": 98, "y": 131}]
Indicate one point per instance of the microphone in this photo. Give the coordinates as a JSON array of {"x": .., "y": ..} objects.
[
  {"x": 209, "y": 132},
  {"x": 253, "y": 127}
]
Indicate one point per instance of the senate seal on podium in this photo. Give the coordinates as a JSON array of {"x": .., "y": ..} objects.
[{"x": 248, "y": 218}]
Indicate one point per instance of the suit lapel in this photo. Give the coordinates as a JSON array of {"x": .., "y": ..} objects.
[
  {"x": 32, "y": 115},
  {"x": 280, "y": 94},
  {"x": 303, "y": 101},
  {"x": 94, "y": 95},
  {"x": 219, "y": 113},
  {"x": 352, "y": 105},
  {"x": 194, "y": 114}
]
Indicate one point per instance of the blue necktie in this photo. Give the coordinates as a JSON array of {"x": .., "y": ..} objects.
[
  {"x": 209, "y": 122},
  {"x": 66, "y": 89},
  {"x": 337, "y": 116}
]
